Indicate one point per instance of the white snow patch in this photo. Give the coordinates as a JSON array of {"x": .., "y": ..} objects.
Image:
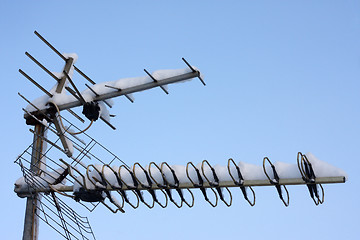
[{"x": 324, "y": 169}]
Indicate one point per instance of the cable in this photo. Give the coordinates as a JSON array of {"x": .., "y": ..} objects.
[{"x": 65, "y": 129}]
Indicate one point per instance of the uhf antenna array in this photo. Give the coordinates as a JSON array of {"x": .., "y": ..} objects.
[{"x": 65, "y": 165}]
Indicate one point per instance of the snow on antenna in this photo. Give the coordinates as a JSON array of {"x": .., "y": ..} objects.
[{"x": 75, "y": 166}]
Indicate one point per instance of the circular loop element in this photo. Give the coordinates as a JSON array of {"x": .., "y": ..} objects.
[
  {"x": 192, "y": 199},
  {"x": 198, "y": 174},
  {"x": 287, "y": 202},
  {"x": 230, "y": 196},
  {"x": 276, "y": 181},
  {"x": 176, "y": 180},
  {"x": 216, "y": 199},
  {"x": 299, "y": 161},
  {"x": 153, "y": 179},
  {"x": 135, "y": 183},
  {"x": 307, "y": 169},
  {"x": 200, "y": 184},
  {"x": 216, "y": 179},
  {"x": 113, "y": 187},
  {"x": 137, "y": 203},
  {"x": 216, "y": 183},
  {"x": 129, "y": 187},
  {"x": 175, "y": 186},
  {"x": 166, "y": 200},
  {"x": 264, "y": 168},
  {"x": 309, "y": 177},
  {"x": 83, "y": 184},
  {"x": 94, "y": 178},
  {"x": 163, "y": 186},
  {"x": 139, "y": 192},
  {"x": 106, "y": 180},
  {"x": 146, "y": 176},
  {"x": 252, "y": 203},
  {"x": 240, "y": 182},
  {"x": 321, "y": 201}
]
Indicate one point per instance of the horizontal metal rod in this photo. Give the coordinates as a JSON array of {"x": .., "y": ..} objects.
[
  {"x": 96, "y": 94},
  {"x": 116, "y": 93},
  {"x": 247, "y": 183},
  {"x": 139, "y": 88}
]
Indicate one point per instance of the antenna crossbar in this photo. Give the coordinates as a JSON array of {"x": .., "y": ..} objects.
[
  {"x": 127, "y": 91},
  {"x": 230, "y": 184}
]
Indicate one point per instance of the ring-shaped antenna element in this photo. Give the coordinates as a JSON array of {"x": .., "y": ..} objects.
[
  {"x": 139, "y": 192},
  {"x": 200, "y": 184},
  {"x": 129, "y": 187},
  {"x": 240, "y": 182},
  {"x": 276, "y": 181},
  {"x": 149, "y": 187},
  {"x": 176, "y": 186},
  {"x": 164, "y": 185},
  {"x": 216, "y": 183},
  {"x": 307, "y": 172}
]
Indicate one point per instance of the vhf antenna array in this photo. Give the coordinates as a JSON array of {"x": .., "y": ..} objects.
[{"x": 64, "y": 164}]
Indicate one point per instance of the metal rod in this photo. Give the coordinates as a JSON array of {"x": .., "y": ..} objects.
[
  {"x": 130, "y": 90},
  {"x": 41, "y": 66},
  {"x": 186, "y": 62},
  {"x": 62, "y": 136},
  {"x": 96, "y": 94},
  {"x": 47, "y": 43},
  {"x": 247, "y": 183},
  {"x": 75, "y": 115},
  {"x": 119, "y": 89},
  {"x": 38, "y": 110},
  {"x": 151, "y": 76},
  {"x": 84, "y": 75},
  {"x": 82, "y": 100},
  {"x": 31, "y": 213},
  {"x": 107, "y": 122},
  {"x": 61, "y": 84},
  {"x": 63, "y": 57},
  {"x": 35, "y": 83}
]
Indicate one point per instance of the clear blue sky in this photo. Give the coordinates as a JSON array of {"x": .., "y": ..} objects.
[{"x": 282, "y": 77}]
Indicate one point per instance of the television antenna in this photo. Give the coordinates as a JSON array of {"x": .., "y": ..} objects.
[{"x": 77, "y": 167}]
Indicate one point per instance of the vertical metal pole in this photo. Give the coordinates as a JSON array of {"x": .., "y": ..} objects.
[{"x": 31, "y": 221}]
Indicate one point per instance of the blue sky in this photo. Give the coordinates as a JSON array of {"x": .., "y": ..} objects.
[{"x": 281, "y": 76}]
